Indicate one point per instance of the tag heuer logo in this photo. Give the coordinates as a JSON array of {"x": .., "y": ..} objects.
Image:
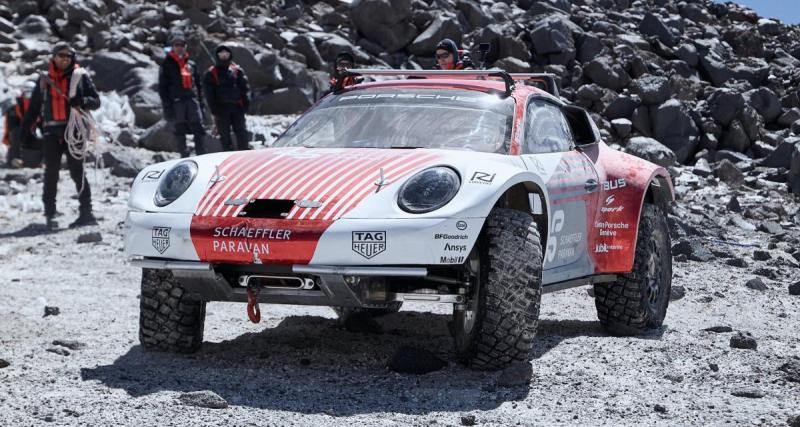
[
  {"x": 161, "y": 238},
  {"x": 369, "y": 243}
]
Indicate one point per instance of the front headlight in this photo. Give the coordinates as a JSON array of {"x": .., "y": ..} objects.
[
  {"x": 175, "y": 182},
  {"x": 429, "y": 190}
]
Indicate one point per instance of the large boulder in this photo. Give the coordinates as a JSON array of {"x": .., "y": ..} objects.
[
  {"x": 553, "y": 35},
  {"x": 735, "y": 137},
  {"x": 725, "y": 105},
  {"x": 766, "y": 102},
  {"x": 781, "y": 157},
  {"x": 652, "y": 25},
  {"x": 622, "y": 106},
  {"x": 673, "y": 126},
  {"x": 590, "y": 47},
  {"x": 653, "y": 90},
  {"x": 650, "y": 150},
  {"x": 109, "y": 66},
  {"x": 794, "y": 170},
  {"x": 442, "y": 27},
  {"x": 305, "y": 44},
  {"x": 387, "y": 22},
  {"x": 607, "y": 73},
  {"x": 141, "y": 86},
  {"x": 159, "y": 137},
  {"x": 290, "y": 100}
]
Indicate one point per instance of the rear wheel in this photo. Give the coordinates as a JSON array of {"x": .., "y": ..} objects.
[
  {"x": 498, "y": 324},
  {"x": 168, "y": 319},
  {"x": 637, "y": 301}
]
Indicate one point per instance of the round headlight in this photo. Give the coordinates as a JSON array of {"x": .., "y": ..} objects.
[
  {"x": 429, "y": 190},
  {"x": 175, "y": 182}
]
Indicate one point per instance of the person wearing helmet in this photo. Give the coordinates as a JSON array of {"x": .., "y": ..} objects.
[
  {"x": 51, "y": 107},
  {"x": 448, "y": 57},
  {"x": 228, "y": 97},
  {"x": 180, "y": 95}
]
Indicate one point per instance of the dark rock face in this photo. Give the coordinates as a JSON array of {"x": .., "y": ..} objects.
[{"x": 386, "y": 22}]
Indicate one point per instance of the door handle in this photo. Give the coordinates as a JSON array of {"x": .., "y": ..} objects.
[{"x": 591, "y": 185}]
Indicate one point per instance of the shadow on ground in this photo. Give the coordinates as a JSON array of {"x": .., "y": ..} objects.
[
  {"x": 310, "y": 364},
  {"x": 30, "y": 230}
]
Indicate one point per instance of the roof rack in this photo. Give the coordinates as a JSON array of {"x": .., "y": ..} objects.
[{"x": 544, "y": 81}]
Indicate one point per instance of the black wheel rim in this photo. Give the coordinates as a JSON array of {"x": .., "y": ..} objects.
[{"x": 653, "y": 278}]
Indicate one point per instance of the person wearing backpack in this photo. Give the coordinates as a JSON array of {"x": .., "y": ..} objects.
[{"x": 228, "y": 97}]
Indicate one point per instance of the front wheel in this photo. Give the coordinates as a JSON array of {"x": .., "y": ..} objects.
[
  {"x": 168, "y": 319},
  {"x": 637, "y": 301},
  {"x": 498, "y": 325}
]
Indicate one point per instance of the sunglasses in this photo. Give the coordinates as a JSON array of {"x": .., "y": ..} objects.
[
  {"x": 64, "y": 55},
  {"x": 344, "y": 65},
  {"x": 443, "y": 55},
  {"x": 179, "y": 44}
]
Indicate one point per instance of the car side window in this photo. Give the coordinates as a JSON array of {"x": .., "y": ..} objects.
[{"x": 546, "y": 129}]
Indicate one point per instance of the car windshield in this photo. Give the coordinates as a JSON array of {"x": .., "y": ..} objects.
[{"x": 406, "y": 118}]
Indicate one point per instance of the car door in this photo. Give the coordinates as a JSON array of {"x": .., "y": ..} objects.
[{"x": 548, "y": 149}]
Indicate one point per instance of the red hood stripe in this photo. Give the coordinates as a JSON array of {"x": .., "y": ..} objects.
[
  {"x": 228, "y": 168},
  {"x": 367, "y": 187},
  {"x": 247, "y": 178},
  {"x": 368, "y": 171}
]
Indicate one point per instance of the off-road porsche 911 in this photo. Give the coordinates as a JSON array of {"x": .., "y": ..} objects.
[{"x": 478, "y": 189}]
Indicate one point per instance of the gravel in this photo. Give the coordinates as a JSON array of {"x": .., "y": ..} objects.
[{"x": 300, "y": 366}]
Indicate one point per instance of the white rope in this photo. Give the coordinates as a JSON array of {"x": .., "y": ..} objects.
[{"x": 81, "y": 134}]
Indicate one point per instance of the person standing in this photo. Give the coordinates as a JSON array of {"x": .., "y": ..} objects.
[
  {"x": 51, "y": 105},
  {"x": 180, "y": 95},
  {"x": 12, "y": 137},
  {"x": 228, "y": 97}
]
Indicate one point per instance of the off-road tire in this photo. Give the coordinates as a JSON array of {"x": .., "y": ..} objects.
[
  {"x": 637, "y": 302},
  {"x": 509, "y": 292},
  {"x": 168, "y": 320}
]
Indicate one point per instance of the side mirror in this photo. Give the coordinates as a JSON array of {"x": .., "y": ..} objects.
[{"x": 584, "y": 129}]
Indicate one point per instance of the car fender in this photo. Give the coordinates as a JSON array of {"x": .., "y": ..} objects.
[{"x": 625, "y": 183}]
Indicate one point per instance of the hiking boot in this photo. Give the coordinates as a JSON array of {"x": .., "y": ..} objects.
[{"x": 84, "y": 219}]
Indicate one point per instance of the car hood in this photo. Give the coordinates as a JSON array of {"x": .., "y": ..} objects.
[{"x": 323, "y": 183}]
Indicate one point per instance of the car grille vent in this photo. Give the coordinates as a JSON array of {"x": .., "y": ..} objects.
[{"x": 267, "y": 208}]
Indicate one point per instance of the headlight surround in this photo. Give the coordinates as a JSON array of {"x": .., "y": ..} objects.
[
  {"x": 175, "y": 182},
  {"x": 429, "y": 190}
]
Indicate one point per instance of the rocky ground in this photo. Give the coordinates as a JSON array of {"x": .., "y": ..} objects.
[
  {"x": 728, "y": 352},
  {"x": 706, "y": 89}
]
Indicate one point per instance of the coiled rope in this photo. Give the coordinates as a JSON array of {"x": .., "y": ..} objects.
[{"x": 81, "y": 134}]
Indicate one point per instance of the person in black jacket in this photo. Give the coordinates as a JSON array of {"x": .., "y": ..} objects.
[
  {"x": 228, "y": 97},
  {"x": 180, "y": 95},
  {"x": 51, "y": 105}
]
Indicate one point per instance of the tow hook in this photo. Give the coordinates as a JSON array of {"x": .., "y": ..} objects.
[{"x": 253, "y": 312}]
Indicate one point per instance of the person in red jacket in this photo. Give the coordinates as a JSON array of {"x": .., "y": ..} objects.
[
  {"x": 181, "y": 92},
  {"x": 51, "y": 107},
  {"x": 11, "y": 131},
  {"x": 228, "y": 97}
]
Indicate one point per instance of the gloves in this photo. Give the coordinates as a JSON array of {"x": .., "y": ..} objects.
[{"x": 76, "y": 102}]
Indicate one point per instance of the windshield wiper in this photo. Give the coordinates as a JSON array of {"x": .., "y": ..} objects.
[{"x": 407, "y": 147}]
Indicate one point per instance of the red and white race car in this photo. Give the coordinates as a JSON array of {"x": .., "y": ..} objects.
[{"x": 469, "y": 188}]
